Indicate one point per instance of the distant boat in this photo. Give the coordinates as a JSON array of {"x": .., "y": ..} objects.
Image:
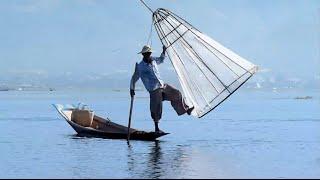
[
  {"x": 116, "y": 90},
  {"x": 4, "y": 89},
  {"x": 303, "y": 97},
  {"x": 104, "y": 128}
]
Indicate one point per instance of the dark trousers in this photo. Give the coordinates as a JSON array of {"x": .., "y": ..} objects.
[{"x": 167, "y": 93}]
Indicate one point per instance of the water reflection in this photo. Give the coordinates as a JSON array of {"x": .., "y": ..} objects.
[
  {"x": 158, "y": 163},
  {"x": 155, "y": 168},
  {"x": 118, "y": 159}
]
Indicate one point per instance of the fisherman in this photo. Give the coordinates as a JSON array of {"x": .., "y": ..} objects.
[{"x": 159, "y": 91}]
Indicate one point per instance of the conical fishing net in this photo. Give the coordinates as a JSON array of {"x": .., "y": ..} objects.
[{"x": 208, "y": 72}]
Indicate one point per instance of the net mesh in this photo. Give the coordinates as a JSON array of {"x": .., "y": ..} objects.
[{"x": 208, "y": 72}]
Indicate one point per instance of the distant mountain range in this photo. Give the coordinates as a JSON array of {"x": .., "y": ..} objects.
[{"x": 121, "y": 80}]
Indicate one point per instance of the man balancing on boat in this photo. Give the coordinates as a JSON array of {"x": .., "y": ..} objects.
[{"x": 159, "y": 91}]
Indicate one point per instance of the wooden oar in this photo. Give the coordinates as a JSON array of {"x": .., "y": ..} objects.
[{"x": 129, "y": 123}]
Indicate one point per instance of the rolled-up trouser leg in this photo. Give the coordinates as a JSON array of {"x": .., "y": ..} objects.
[
  {"x": 156, "y": 104},
  {"x": 175, "y": 97}
]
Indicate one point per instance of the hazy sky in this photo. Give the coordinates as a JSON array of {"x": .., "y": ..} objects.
[{"x": 104, "y": 36}]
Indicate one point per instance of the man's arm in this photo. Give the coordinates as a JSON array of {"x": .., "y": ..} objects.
[
  {"x": 160, "y": 59},
  {"x": 134, "y": 79}
]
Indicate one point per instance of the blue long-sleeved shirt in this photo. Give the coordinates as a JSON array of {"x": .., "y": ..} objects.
[{"x": 149, "y": 74}]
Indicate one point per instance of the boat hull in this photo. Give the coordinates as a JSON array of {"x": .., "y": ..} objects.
[{"x": 104, "y": 128}]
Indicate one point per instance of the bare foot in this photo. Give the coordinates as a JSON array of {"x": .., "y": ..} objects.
[
  {"x": 190, "y": 110},
  {"x": 159, "y": 131}
]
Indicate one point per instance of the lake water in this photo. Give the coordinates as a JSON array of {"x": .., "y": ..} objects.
[{"x": 254, "y": 134}]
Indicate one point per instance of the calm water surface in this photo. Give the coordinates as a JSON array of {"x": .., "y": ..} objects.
[{"x": 254, "y": 134}]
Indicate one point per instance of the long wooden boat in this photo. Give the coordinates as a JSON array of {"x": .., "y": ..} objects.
[{"x": 105, "y": 128}]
